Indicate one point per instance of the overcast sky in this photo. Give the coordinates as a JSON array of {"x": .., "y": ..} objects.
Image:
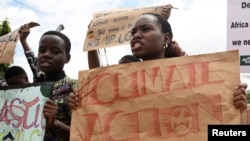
[{"x": 199, "y": 26}]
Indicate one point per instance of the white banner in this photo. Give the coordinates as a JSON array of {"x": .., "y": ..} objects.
[
  {"x": 21, "y": 113},
  {"x": 238, "y": 13}
]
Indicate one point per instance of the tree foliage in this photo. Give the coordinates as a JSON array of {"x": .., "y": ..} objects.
[
  {"x": 4, "y": 29},
  {"x": 248, "y": 96}
]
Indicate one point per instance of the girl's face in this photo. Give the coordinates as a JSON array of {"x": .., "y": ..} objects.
[
  {"x": 52, "y": 54},
  {"x": 148, "y": 40}
]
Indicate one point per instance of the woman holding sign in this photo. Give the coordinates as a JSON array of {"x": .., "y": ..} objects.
[{"x": 152, "y": 39}]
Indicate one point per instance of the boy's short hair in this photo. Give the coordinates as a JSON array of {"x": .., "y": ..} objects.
[
  {"x": 61, "y": 35},
  {"x": 14, "y": 71},
  {"x": 129, "y": 58}
]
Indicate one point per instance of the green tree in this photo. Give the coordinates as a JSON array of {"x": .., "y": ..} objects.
[{"x": 4, "y": 29}]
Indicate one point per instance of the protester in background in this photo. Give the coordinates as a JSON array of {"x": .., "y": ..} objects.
[
  {"x": 128, "y": 59},
  {"x": 53, "y": 54},
  {"x": 16, "y": 75},
  {"x": 151, "y": 40}
]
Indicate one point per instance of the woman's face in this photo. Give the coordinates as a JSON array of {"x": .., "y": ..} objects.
[{"x": 148, "y": 40}]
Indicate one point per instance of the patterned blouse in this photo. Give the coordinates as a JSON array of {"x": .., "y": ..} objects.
[
  {"x": 60, "y": 91},
  {"x": 63, "y": 85}
]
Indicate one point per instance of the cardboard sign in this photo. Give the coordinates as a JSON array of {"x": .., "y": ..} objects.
[
  {"x": 8, "y": 44},
  {"x": 246, "y": 115},
  {"x": 112, "y": 27},
  {"x": 166, "y": 99},
  {"x": 21, "y": 112}
]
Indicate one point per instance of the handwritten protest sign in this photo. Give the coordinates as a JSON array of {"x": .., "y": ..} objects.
[
  {"x": 166, "y": 99},
  {"x": 21, "y": 117},
  {"x": 112, "y": 27},
  {"x": 8, "y": 44}
]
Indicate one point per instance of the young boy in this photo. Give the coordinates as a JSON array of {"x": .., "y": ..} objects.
[
  {"x": 53, "y": 54},
  {"x": 16, "y": 75}
]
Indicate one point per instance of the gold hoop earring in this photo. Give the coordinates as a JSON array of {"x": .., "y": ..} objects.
[{"x": 165, "y": 45}]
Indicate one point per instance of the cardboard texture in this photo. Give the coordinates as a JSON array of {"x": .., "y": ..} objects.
[
  {"x": 8, "y": 44},
  {"x": 166, "y": 99},
  {"x": 246, "y": 115},
  {"x": 111, "y": 28}
]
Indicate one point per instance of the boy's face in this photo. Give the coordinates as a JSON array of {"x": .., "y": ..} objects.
[
  {"x": 17, "y": 80},
  {"x": 52, "y": 54}
]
